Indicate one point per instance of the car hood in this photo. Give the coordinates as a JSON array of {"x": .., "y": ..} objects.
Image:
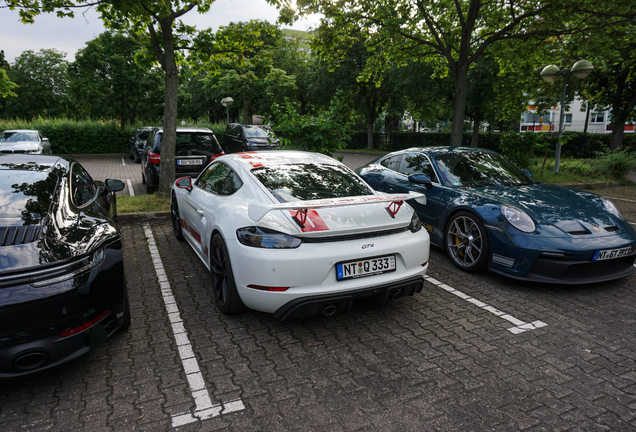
[
  {"x": 20, "y": 145},
  {"x": 570, "y": 211}
]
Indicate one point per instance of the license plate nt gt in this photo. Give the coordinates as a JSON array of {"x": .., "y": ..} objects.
[
  {"x": 363, "y": 268},
  {"x": 189, "y": 162},
  {"x": 612, "y": 253}
]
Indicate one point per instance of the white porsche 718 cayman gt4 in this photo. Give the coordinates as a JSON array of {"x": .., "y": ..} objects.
[{"x": 297, "y": 234}]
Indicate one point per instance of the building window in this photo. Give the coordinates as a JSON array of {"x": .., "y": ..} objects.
[
  {"x": 567, "y": 119},
  {"x": 597, "y": 117}
]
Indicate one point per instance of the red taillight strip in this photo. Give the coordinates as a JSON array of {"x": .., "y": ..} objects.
[
  {"x": 267, "y": 288},
  {"x": 154, "y": 157},
  {"x": 84, "y": 326}
]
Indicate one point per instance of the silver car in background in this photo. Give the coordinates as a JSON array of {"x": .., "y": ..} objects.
[{"x": 24, "y": 141}]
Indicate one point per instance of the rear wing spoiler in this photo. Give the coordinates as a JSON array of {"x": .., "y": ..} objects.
[{"x": 258, "y": 211}]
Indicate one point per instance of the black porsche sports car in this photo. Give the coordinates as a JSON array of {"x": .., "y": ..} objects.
[{"x": 62, "y": 284}]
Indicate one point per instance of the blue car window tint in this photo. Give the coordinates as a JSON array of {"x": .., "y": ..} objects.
[
  {"x": 392, "y": 163},
  {"x": 417, "y": 163},
  {"x": 479, "y": 169}
]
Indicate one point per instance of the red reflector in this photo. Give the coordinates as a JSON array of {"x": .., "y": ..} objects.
[
  {"x": 154, "y": 158},
  {"x": 91, "y": 323},
  {"x": 266, "y": 288},
  {"x": 424, "y": 265}
]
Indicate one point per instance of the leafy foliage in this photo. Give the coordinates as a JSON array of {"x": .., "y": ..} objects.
[
  {"x": 616, "y": 163},
  {"x": 323, "y": 133}
]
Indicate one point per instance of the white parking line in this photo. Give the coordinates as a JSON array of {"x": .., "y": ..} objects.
[
  {"x": 520, "y": 326},
  {"x": 204, "y": 408},
  {"x": 130, "y": 189},
  {"x": 621, "y": 199},
  {"x": 123, "y": 161}
]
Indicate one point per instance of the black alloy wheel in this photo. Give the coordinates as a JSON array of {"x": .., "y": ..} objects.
[
  {"x": 467, "y": 242},
  {"x": 176, "y": 218},
  {"x": 224, "y": 290}
]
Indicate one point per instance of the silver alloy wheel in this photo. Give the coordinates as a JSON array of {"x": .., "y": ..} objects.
[{"x": 465, "y": 241}]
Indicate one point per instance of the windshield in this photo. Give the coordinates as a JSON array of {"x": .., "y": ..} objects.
[
  {"x": 301, "y": 182},
  {"x": 254, "y": 132},
  {"x": 479, "y": 169},
  {"x": 19, "y": 136},
  {"x": 143, "y": 135}
]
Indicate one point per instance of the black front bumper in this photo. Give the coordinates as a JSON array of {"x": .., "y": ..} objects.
[{"x": 341, "y": 302}]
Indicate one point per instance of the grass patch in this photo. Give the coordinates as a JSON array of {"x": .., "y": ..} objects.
[
  {"x": 152, "y": 203},
  {"x": 573, "y": 171}
]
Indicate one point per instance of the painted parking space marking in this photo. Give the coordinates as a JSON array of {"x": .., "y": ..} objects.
[
  {"x": 204, "y": 408},
  {"x": 123, "y": 161},
  {"x": 519, "y": 325},
  {"x": 130, "y": 188},
  {"x": 622, "y": 199}
]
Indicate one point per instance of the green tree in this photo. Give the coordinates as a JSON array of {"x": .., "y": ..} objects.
[
  {"x": 107, "y": 82},
  {"x": 42, "y": 84},
  {"x": 452, "y": 35},
  {"x": 168, "y": 38},
  {"x": 5, "y": 83}
]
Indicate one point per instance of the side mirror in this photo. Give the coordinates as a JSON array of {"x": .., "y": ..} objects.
[
  {"x": 184, "y": 183},
  {"x": 526, "y": 172},
  {"x": 421, "y": 179},
  {"x": 114, "y": 185}
]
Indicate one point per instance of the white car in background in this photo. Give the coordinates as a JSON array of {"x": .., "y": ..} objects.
[
  {"x": 297, "y": 234},
  {"x": 24, "y": 141}
]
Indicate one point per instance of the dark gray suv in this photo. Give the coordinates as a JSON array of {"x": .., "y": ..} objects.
[
  {"x": 243, "y": 137},
  {"x": 196, "y": 147}
]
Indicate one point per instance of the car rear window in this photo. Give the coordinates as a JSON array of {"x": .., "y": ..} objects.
[
  {"x": 201, "y": 140},
  {"x": 301, "y": 182},
  {"x": 255, "y": 132},
  {"x": 25, "y": 196}
]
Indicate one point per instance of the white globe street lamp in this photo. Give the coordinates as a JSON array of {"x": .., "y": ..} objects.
[
  {"x": 226, "y": 102},
  {"x": 581, "y": 69}
]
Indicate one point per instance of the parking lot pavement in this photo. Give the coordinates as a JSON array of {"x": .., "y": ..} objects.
[
  {"x": 470, "y": 352},
  {"x": 115, "y": 166}
]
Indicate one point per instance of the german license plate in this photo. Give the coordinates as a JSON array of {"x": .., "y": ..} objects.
[
  {"x": 363, "y": 268},
  {"x": 189, "y": 162},
  {"x": 612, "y": 253}
]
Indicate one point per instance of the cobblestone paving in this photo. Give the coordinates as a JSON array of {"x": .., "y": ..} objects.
[{"x": 437, "y": 361}]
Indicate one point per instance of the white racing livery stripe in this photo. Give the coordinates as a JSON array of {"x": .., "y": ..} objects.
[
  {"x": 130, "y": 189},
  {"x": 204, "y": 408},
  {"x": 520, "y": 326}
]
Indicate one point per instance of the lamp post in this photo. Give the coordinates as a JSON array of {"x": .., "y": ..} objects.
[
  {"x": 226, "y": 102},
  {"x": 581, "y": 69}
]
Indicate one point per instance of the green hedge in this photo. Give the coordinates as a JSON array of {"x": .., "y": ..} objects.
[
  {"x": 578, "y": 146},
  {"x": 77, "y": 137}
]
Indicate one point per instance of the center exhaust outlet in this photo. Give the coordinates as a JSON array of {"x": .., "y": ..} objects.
[{"x": 396, "y": 295}]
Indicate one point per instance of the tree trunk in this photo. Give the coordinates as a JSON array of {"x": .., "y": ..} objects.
[
  {"x": 618, "y": 131},
  {"x": 169, "y": 137},
  {"x": 246, "y": 111},
  {"x": 475, "y": 139},
  {"x": 370, "y": 120},
  {"x": 461, "y": 76}
]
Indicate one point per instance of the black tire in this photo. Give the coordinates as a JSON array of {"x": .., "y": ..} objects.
[
  {"x": 143, "y": 178},
  {"x": 130, "y": 155},
  {"x": 137, "y": 158},
  {"x": 126, "y": 319},
  {"x": 224, "y": 290},
  {"x": 467, "y": 242},
  {"x": 176, "y": 218}
]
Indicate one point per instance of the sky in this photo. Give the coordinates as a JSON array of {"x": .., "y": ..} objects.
[{"x": 70, "y": 34}]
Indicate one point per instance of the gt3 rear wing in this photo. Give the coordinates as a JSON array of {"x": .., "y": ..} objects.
[{"x": 258, "y": 211}]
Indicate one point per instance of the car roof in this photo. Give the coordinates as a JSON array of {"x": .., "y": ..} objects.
[
  {"x": 21, "y": 130},
  {"x": 253, "y": 159},
  {"x": 438, "y": 150},
  {"x": 33, "y": 162},
  {"x": 188, "y": 129}
]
